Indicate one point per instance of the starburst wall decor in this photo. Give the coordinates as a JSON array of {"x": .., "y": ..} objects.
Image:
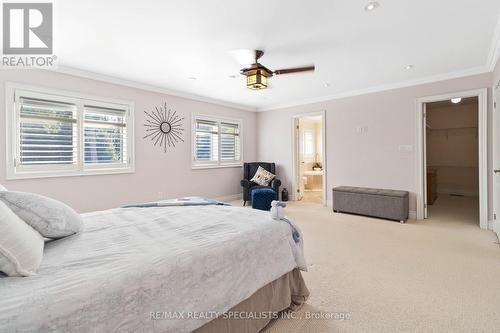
[{"x": 164, "y": 127}]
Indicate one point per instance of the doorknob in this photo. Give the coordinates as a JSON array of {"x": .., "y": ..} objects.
[{"x": 496, "y": 171}]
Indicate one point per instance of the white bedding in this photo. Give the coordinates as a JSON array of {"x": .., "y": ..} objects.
[{"x": 134, "y": 261}]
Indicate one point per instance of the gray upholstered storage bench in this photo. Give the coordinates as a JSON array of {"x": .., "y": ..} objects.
[{"x": 387, "y": 204}]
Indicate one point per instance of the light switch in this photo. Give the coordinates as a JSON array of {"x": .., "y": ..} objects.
[{"x": 405, "y": 148}]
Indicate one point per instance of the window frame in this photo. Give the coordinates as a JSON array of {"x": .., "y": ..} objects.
[
  {"x": 15, "y": 171},
  {"x": 306, "y": 156},
  {"x": 215, "y": 164}
]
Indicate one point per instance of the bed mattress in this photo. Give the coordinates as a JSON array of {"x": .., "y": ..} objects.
[{"x": 131, "y": 263}]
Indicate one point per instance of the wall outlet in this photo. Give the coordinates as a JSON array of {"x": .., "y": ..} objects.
[{"x": 405, "y": 148}]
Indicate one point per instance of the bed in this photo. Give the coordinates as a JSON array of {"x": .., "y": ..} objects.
[{"x": 160, "y": 269}]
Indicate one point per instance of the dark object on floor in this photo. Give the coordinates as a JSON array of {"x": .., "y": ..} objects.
[
  {"x": 249, "y": 170},
  {"x": 387, "y": 204},
  {"x": 284, "y": 195},
  {"x": 262, "y": 198}
]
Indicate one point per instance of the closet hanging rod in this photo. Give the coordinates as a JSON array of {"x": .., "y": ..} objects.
[{"x": 453, "y": 128}]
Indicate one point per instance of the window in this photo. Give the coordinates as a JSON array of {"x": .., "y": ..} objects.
[
  {"x": 216, "y": 142},
  {"x": 105, "y": 133},
  {"x": 308, "y": 145},
  {"x": 51, "y": 134},
  {"x": 47, "y": 133}
]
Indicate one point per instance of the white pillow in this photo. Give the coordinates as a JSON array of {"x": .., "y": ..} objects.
[
  {"x": 21, "y": 247},
  {"x": 262, "y": 177},
  {"x": 51, "y": 218}
]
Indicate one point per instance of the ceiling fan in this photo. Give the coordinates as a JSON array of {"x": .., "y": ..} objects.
[{"x": 258, "y": 74}]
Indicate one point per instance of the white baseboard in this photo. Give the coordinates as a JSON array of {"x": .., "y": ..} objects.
[
  {"x": 231, "y": 197},
  {"x": 495, "y": 227}
]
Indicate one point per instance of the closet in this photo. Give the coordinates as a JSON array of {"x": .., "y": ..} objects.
[{"x": 452, "y": 149}]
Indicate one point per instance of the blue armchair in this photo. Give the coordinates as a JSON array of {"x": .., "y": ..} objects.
[{"x": 249, "y": 170}]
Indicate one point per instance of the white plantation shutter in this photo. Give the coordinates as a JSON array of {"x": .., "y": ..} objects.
[
  {"x": 57, "y": 135},
  {"x": 47, "y": 133},
  {"x": 308, "y": 144},
  {"x": 206, "y": 141},
  {"x": 230, "y": 142},
  {"x": 105, "y": 134},
  {"x": 216, "y": 142}
]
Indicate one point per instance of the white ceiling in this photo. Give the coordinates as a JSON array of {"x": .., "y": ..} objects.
[{"x": 164, "y": 43}]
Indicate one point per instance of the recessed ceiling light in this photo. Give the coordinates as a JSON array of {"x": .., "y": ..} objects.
[
  {"x": 456, "y": 100},
  {"x": 192, "y": 78},
  {"x": 408, "y": 67},
  {"x": 372, "y": 5}
]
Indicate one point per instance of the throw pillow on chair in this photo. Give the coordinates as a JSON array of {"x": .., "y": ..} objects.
[{"x": 262, "y": 177}]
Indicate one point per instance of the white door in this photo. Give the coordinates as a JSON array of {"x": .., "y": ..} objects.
[
  {"x": 298, "y": 159},
  {"x": 496, "y": 161},
  {"x": 424, "y": 135}
]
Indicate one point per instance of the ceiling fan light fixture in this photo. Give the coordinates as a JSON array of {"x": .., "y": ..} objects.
[
  {"x": 257, "y": 81},
  {"x": 257, "y": 77}
]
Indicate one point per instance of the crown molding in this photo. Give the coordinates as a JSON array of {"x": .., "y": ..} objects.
[
  {"x": 375, "y": 89},
  {"x": 494, "y": 55},
  {"x": 147, "y": 87}
]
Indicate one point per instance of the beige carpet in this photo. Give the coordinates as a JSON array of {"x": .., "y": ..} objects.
[
  {"x": 438, "y": 275},
  {"x": 313, "y": 196}
]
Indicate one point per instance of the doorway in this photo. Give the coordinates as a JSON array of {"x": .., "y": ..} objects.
[
  {"x": 309, "y": 183},
  {"x": 451, "y": 158},
  {"x": 496, "y": 160}
]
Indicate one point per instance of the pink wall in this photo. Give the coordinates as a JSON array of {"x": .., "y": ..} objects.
[
  {"x": 156, "y": 171},
  {"x": 369, "y": 159}
]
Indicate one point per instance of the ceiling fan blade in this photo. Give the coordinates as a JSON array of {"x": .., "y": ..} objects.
[{"x": 294, "y": 70}]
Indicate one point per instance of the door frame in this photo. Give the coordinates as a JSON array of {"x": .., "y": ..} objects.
[
  {"x": 482, "y": 95},
  {"x": 496, "y": 157},
  {"x": 296, "y": 154}
]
